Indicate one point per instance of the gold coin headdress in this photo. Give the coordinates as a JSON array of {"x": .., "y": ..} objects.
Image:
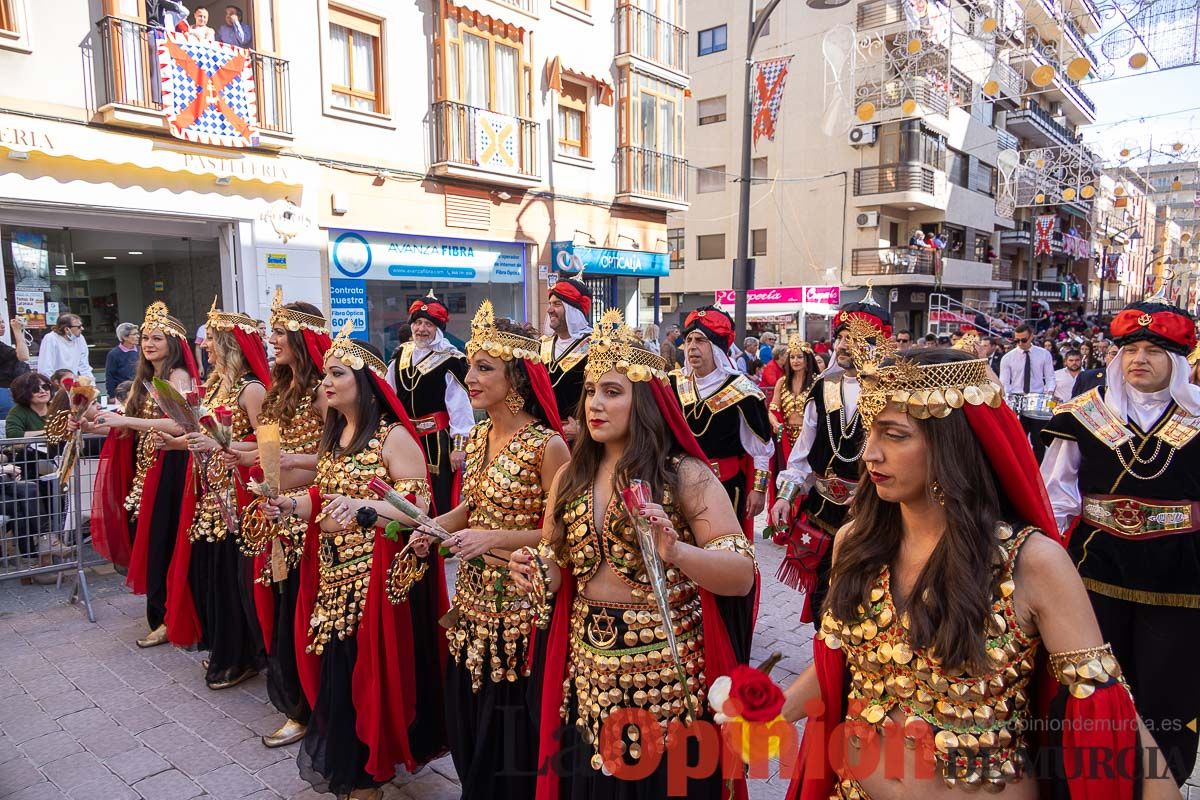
[
  {"x": 292, "y": 320},
  {"x": 920, "y": 390},
  {"x": 615, "y": 346},
  {"x": 352, "y": 354},
  {"x": 219, "y": 320},
  {"x": 796, "y": 345},
  {"x": 496, "y": 343},
  {"x": 969, "y": 342},
  {"x": 1193, "y": 357},
  {"x": 158, "y": 318}
]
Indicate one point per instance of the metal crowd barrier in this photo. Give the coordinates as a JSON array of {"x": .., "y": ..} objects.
[{"x": 44, "y": 526}]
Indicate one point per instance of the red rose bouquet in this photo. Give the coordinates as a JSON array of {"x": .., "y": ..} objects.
[{"x": 81, "y": 394}]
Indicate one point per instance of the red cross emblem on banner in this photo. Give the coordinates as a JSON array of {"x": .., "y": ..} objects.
[
  {"x": 768, "y": 95},
  {"x": 211, "y": 88},
  {"x": 1045, "y": 226}
]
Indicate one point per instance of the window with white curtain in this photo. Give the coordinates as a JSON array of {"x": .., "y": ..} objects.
[
  {"x": 485, "y": 69},
  {"x": 354, "y": 62},
  {"x": 573, "y": 119}
]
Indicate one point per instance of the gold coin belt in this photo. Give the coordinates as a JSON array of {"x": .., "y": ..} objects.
[
  {"x": 494, "y": 621},
  {"x": 978, "y": 719},
  {"x": 145, "y": 459},
  {"x": 620, "y": 659},
  {"x": 209, "y": 525},
  {"x": 345, "y": 556}
]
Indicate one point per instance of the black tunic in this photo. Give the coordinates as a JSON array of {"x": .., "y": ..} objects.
[
  {"x": 1162, "y": 571},
  {"x": 716, "y": 422},
  {"x": 566, "y": 373},
  {"x": 836, "y": 450},
  {"x": 422, "y": 391}
]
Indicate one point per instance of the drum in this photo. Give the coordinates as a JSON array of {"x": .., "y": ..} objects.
[{"x": 1037, "y": 405}]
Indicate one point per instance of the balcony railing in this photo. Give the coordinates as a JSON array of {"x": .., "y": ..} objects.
[
  {"x": 891, "y": 261},
  {"x": 888, "y": 178},
  {"x": 1002, "y": 269},
  {"x": 1078, "y": 38},
  {"x": 893, "y": 94},
  {"x": 1005, "y": 140},
  {"x": 528, "y": 6},
  {"x": 1043, "y": 118},
  {"x": 509, "y": 144},
  {"x": 129, "y": 74},
  {"x": 649, "y": 173},
  {"x": 641, "y": 34}
]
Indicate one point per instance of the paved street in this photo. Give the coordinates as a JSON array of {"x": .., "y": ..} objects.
[{"x": 86, "y": 714}]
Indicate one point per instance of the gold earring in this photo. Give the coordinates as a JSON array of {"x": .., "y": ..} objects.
[
  {"x": 939, "y": 495},
  {"x": 514, "y": 401}
]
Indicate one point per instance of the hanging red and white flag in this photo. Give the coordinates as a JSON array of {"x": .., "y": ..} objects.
[
  {"x": 1045, "y": 226},
  {"x": 768, "y": 95}
]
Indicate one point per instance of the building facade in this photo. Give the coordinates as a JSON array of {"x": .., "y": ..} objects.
[
  {"x": 1176, "y": 192},
  {"x": 398, "y": 148},
  {"x": 1126, "y": 235}
]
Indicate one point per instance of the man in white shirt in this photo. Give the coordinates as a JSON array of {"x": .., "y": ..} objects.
[
  {"x": 64, "y": 348},
  {"x": 727, "y": 412},
  {"x": 1123, "y": 475},
  {"x": 1028, "y": 370},
  {"x": 1064, "y": 379}
]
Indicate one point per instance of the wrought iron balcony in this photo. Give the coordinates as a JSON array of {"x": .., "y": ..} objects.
[
  {"x": 485, "y": 143},
  {"x": 648, "y": 177},
  {"x": 651, "y": 38},
  {"x": 891, "y": 261},
  {"x": 887, "y": 178}
]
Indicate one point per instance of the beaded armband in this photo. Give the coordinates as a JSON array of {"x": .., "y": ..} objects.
[
  {"x": 788, "y": 491},
  {"x": 734, "y": 542},
  {"x": 1084, "y": 671},
  {"x": 458, "y": 441},
  {"x": 761, "y": 478}
]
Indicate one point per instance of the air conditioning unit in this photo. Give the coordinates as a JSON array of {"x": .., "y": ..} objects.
[
  {"x": 867, "y": 219},
  {"x": 862, "y": 135}
]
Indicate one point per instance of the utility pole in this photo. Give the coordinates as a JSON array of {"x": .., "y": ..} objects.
[{"x": 743, "y": 277}]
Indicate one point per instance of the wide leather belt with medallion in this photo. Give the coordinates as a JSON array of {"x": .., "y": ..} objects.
[
  {"x": 431, "y": 423},
  {"x": 838, "y": 491},
  {"x": 1134, "y": 518}
]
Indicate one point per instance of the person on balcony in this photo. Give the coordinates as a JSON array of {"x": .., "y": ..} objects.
[
  {"x": 235, "y": 31},
  {"x": 201, "y": 30}
]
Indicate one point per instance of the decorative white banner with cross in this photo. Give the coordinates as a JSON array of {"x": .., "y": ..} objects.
[{"x": 496, "y": 145}]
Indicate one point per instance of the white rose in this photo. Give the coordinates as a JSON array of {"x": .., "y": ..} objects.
[{"x": 718, "y": 693}]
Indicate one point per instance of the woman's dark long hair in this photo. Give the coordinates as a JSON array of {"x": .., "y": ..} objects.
[
  {"x": 291, "y": 383},
  {"x": 145, "y": 372},
  {"x": 952, "y": 596},
  {"x": 518, "y": 375},
  {"x": 652, "y": 454},
  {"x": 810, "y": 371},
  {"x": 373, "y": 410}
]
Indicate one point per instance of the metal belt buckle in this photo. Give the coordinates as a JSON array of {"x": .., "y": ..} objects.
[
  {"x": 1129, "y": 516},
  {"x": 836, "y": 490}
]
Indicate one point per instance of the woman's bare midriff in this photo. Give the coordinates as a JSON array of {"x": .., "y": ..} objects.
[
  {"x": 898, "y": 777},
  {"x": 606, "y": 587}
]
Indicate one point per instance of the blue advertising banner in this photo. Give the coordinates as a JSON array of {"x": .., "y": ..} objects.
[
  {"x": 402, "y": 257},
  {"x": 348, "y": 301},
  {"x": 572, "y": 258}
]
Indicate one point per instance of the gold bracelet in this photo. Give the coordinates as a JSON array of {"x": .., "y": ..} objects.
[
  {"x": 788, "y": 491},
  {"x": 1084, "y": 671},
  {"x": 458, "y": 441},
  {"x": 539, "y": 592},
  {"x": 761, "y": 477},
  {"x": 734, "y": 542}
]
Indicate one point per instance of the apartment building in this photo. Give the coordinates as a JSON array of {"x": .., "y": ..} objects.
[
  {"x": 476, "y": 149},
  {"x": 933, "y": 94},
  {"x": 1176, "y": 187},
  {"x": 1125, "y": 224}
]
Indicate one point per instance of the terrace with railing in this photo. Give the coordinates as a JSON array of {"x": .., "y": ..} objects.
[{"x": 645, "y": 36}]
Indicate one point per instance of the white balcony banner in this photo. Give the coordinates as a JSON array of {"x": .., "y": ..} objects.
[{"x": 496, "y": 142}]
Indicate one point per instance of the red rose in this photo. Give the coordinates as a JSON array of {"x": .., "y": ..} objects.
[
  {"x": 379, "y": 486},
  {"x": 224, "y": 415},
  {"x": 754, "y": 696},
  {"x": 79, "y": 399},
  {"x": 207, "y": 421},
  {"x": 193, "y": 398},
  {"x": 257, "y": 475},
  {"x": 67, "y": 383}
]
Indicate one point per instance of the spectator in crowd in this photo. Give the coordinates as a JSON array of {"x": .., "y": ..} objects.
[
  {"x": 1055, "y": 354},
  {"x": 200, "y": 29},
  {"x": 930, "y": 340},
  {"x": 904, "y": 339},
  {"x": 64, "y": 347},
  {"x": 201, "y": 351},
  {"x": 120, "y": 395},
  {"x": 650, "y": 334},
  {"x": 766, "y": 350},
  {"x": 954, "y": 337},
  {"x": 14, "y": 360},
  {"x": 773, "y": 370},
  {"x": 754, "y": 369},
  {"x": 821, "y": 346},
  {"x": 1028, "y": 370},
  {"x": 1064, "y": 379},
  {"x": 235, "y": 31},
  {"x": 31, "y": 402},
  {"x": 991, "y": 349},
  {"x": 822, "y": 364},
  {"x": 166, "y": 14},
  {"x": 943, "y": 341},
  {"x": 121, "y": 363},
  {"x": 1086, "y": 357},
  {"x": 1092, "y": 378},
  {"x": 56, "y": 380},
  {"x": 750, "y": 350}
]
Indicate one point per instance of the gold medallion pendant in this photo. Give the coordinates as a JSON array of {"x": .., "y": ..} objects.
[{"x": 602, "y": 630}]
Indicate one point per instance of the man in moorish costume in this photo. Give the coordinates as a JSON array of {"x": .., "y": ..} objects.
[{"x": 564, "y": 351}]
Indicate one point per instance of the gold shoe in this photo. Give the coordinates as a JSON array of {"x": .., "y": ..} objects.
[
  {"x": 229, "y": 684},
  {"x": 154, "y": 638},
  {"x": 291, "y": 731}
]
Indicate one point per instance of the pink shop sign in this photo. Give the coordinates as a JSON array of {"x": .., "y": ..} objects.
[
  {"x": 782, "y": 295},
  {"x": 823, "y": 295}
]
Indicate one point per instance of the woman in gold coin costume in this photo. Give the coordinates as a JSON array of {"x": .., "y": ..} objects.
[
  {"x": 788, "y": 399},
  {"x": 300, "y": 337},
  {"x": 144, "y": 504},
  {"x": 359, "y": 679},
  {"x": 946, "y": 602},
  {"x": 511, "y": 458},
  {"x": 607, "y": 649},
  {"x": 217, "y": 574}
]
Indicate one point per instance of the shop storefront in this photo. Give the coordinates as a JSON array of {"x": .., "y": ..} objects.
[
  {"x": 374, "y": 277},
  {"x": 787, "y": 309},
  {"x": 100, "y": 224},
  {"x": 612, "y": 274}
]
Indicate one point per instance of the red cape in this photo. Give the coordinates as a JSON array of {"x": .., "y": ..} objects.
[{"x": 114, "y": 477}]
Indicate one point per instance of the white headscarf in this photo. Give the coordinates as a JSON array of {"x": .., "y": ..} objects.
[
  {"x": 577, "y": 323},
  {"x": 724, "y": 366},
  {"x": 1182, "y": 391}
]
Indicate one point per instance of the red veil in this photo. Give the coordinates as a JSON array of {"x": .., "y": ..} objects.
[
  {"x": 718, "y": 648},
  {"x": 1007, "y": 449}
]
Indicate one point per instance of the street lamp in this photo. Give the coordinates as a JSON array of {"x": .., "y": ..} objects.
[
  {"x": 742, "y": 265},
  {"x": 1108, "y": 240}
]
